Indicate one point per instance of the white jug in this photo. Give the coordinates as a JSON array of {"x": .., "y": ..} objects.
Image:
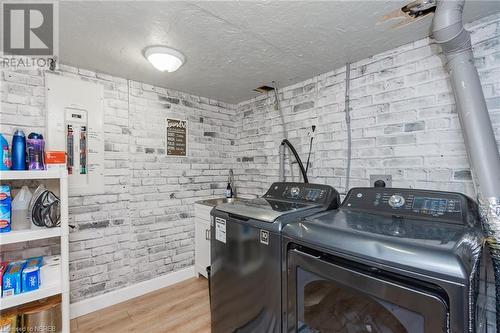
[{"x": 20, "y": 209}]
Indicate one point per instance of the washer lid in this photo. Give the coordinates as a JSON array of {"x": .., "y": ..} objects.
[
  {"x": 267, "y": 210},
  {"x": 442, "y": 250}
]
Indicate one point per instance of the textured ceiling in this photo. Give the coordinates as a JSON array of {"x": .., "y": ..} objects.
[{"x": 231, "y": 46}]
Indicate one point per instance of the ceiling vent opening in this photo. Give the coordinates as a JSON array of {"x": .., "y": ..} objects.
[
  {"x": 263, "y": 89},
  {"x": 419, "y": 8},
  {"x": 412, "y": 12}
]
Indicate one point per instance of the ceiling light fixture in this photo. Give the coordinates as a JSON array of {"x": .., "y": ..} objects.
[{"x": 164, "y": 58}]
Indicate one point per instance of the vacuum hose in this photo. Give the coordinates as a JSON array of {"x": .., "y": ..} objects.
[{"x": 297, "y": 158}]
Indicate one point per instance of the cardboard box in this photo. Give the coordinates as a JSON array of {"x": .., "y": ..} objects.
[
  {"x": 5, "y": 208},
  {"x": 55, "y": 160},
  {"x": 11, "y": 280},
  {"x": 30, "y": 278},
  {"x": 55, "y": 157},
  {"x": 3, "y": 267},
  {"x": 55, "y": 167}
]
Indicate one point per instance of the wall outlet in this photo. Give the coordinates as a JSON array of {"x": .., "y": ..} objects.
[{"x": 386, "y": 178}]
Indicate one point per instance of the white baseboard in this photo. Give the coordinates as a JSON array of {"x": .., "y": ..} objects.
[{"x": 117, "y": 296}]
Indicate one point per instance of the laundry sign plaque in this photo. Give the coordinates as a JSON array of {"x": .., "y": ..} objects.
[{"x": 176, "y": 137}]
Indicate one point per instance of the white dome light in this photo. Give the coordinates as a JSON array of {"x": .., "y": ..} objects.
[{"x": 164, "y": 58}]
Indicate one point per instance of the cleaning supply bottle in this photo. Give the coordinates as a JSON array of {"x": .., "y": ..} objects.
[
  {"x": 229, "y": 191},
  {"x": 5, "y": 161},
  {"x": 20, "y": 209},
  {"x": 36, "y": 147},
  {"x": 19, "y": 151}
]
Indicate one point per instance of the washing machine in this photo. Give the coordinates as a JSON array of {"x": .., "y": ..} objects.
[
  {"x": 246, "y": 271},
  {"x": 388, "y": 260}
]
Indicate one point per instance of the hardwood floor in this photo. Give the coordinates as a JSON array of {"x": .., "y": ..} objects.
[{"x": 183, "y": 308}]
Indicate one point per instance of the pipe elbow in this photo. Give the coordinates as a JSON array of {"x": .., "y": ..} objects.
[
  {"x": 447, "y": 26},
  {"x": 448, "y": 13}
]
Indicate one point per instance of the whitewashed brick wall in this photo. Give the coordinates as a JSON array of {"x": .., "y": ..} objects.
[
  {"x": 404, "y": 122},
  {"x": 142, "y": 225},
  {"x": 163, "y": 188}
]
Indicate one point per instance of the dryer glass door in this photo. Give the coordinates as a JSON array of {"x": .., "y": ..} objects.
[{"x": 329, "y": 298}]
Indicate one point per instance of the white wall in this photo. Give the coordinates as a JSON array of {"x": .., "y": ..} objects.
[
  {"x": 142, "y": 225},
  {"x": 404, "y": 122}
]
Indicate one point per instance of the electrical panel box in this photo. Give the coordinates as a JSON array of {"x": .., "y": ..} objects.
[{"x": 75, "y": 125}]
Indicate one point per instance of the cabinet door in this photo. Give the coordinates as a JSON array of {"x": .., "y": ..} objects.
[
  {"x": 202, "y": 212},
  {"x": 202, "y": 246}
]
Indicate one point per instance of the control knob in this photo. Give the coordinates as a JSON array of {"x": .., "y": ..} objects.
[
  {"x": 396, "y": 201},
  {"x": 294, "y": 192}
]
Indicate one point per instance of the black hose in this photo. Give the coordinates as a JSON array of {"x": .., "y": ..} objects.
[{"x": 297, "y": 158}]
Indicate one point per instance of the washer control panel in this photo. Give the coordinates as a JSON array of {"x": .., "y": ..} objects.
[
  {"x": 408, "y": 203},
  {"x": 312, "y": 193},
  {"x": 303, "y": 193}
]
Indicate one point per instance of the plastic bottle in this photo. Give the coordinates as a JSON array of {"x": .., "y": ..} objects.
[
  {"x": 228, "y": 193},
  {"x": 36, "y": 147},
  {"x": 20, "y": 209},
  {"x": 19, "y": 151},
  {"x": 5, "y": 161}
]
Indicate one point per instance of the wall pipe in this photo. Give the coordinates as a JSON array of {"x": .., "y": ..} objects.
[
  {"x": 277, "y": 106},
  {"x": 449, "y": 32},
  {"x": 482, "y": 149},
  {"x": 348, "y": 125},
  {"x": 282, "y": 163}
]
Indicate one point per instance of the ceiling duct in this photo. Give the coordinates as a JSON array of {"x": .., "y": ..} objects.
[
  {"x": 482, "y": 149},
  {"x": 263, "y": 89},
  {"x": 410, "y": 13},
  {"x": 419, "y": 8}
]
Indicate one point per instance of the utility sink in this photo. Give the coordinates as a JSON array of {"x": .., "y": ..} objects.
[{"x": 218, "y": 201}]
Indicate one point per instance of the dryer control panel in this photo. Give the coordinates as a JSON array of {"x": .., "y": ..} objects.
[
  {"x": 446, "y": 206},
  {"x": 302, "y": 192}
]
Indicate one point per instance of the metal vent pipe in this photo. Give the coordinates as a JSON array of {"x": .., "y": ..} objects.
[{"x": 482, "y": 149}]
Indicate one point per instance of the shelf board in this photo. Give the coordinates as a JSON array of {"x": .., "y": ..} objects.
[
  {"x": 32, "y": 174},
  {"x": 17, "y": 236},
  {"x": 48, "y": 289}
]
